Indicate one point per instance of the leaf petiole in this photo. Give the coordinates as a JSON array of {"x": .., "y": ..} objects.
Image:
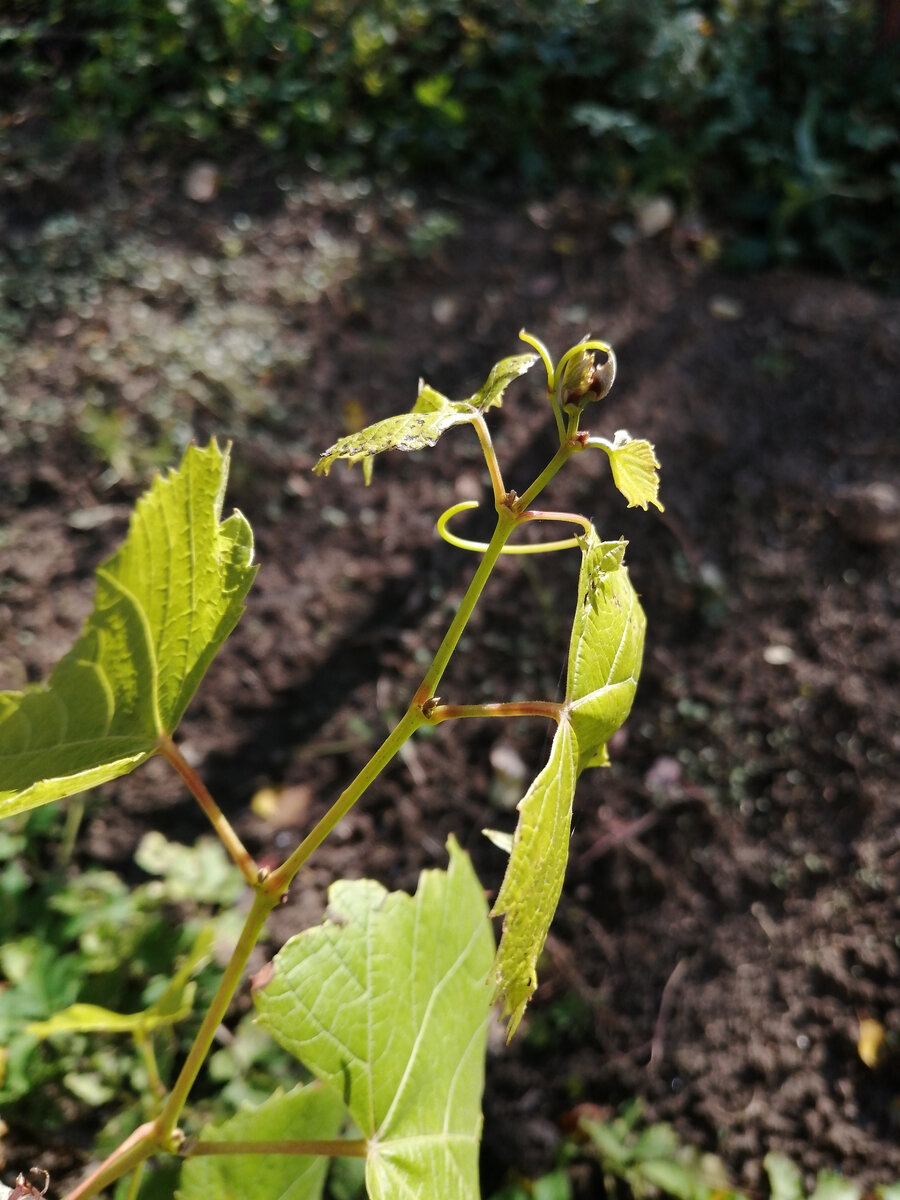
[
  {"x": 220, "y": 823},
  {"x": 511, "y": 708},
  {"x": 490, "y": 457},
  {"x": 329, "y": 1147}
]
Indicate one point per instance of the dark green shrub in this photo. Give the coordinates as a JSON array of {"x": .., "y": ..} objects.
[{"x": 780, "y": 116}]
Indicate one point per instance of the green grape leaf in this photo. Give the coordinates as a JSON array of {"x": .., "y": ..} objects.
[
  {"x": 490, "y": 394},
  {"x": 432, "y": 415},
  {"x": 634, "y": 469},
  {"x": 91, "y": 1018},
  {"x": 386, "y": 1003},
  {"x": 165, "y": 603},
  {"x": 534, "y": 875},
  {"x": 605, "y": 655},
  {"x": 201, "y": 873},
  {"x": 606, "y": 648},
  {"x": 305, "y": 1113},
  {"x": 674, "y": 1179},
  {"x": 832, "y": 1186},
  {"x": 409, "y": 431},
  {"x": 173, "y": 1005},
  {"x": 785, "y": 1177}
]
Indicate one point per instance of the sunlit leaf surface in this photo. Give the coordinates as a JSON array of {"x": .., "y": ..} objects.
[
  {"x": 490, "y": 394},
  {"x": 306, "y": 1113},
  {"x": 534, "y": 875},
  {"x": 604, "y": 663},
  {"x": 386, "y": 1002},
  {"x": 634, "y": 469},
  {"x": 606, "y": 647},
  {"x": 165, "y": 603},
  {"x": 431, "y": 416}
]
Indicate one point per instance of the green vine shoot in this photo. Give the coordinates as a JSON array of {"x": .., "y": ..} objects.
[{"x": 385, "y": 1003}]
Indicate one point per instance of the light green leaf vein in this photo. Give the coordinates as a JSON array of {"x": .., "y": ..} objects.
[{"x": 386, "y": 1003}]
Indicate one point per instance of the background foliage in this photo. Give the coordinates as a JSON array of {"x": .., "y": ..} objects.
[{"x": 777, "y": 116}]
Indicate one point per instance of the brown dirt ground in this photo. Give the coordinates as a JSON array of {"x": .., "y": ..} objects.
[{"x": 730, "y": 911}]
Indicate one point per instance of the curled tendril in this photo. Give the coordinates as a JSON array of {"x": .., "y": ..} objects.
[
  {"x": 542, "y": 350},
  {"x": 480, "y": 547}
]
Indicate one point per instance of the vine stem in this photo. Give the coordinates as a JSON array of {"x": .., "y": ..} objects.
[
  {"x": 280, "y": 879},
  {"x": 332, "y": 1148},
  {"x": 506, "y": 523},
  {"x": 563, "y": 454},
  {"x": 162, "y": 1133},
  {"x": 217, "y": 818},
  {"x": 263, "y": 903},
  {"x": 490, "y": 457},
  {"x": 278, "y": 882},
  {"x": 129, "y": 1156},
  {"x": 568, "y": 517},
  {"x": 512, "y": 708}
]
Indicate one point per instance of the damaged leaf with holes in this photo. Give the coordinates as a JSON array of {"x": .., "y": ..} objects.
[{"x": 431, "y": 416}]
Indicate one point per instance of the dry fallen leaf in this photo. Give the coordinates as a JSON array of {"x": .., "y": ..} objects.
[
  {"x": 282, "y": 806},
  {"x": 870, "y": 1043}
]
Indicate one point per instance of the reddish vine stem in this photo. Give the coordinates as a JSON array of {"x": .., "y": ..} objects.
[
  {"x": 332, "y": 1148},
  {"x": 513, "y": 708},
  {"x": 217, "y": 818}
]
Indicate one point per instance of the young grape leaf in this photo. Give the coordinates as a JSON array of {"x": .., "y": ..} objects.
[
  {"x": 386, "y": 1003},
  {"x": 604, "y": 663},
  {"x": 165, "y": 603},
  {"x": 534, "y": 875},
  {"x": 431, "y": 416},
  {"x": 634, "y": 466},
  {"x": 503, "y": 373},
  {"x": 305, "y": 1113},
  {"x": 606, "y": 648}
]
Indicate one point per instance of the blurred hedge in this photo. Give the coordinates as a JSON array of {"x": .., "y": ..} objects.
[{"x": 781, "y": 117}]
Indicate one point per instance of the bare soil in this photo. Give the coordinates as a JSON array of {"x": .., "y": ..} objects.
[{"x": 730, "y": 912}]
